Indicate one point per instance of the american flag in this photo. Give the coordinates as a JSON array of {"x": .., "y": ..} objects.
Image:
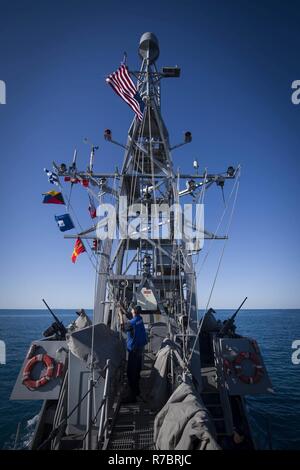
[{"x": 122, "y": 84}]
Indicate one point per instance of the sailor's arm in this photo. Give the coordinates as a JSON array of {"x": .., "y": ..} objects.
[
  {"x": 123, "y": 318},
  {"x": 122, "y": 313},
  {"x": 122, "y": 308}
]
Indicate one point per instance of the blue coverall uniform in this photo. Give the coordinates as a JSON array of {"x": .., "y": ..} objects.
[{"x": 136, "y": 340}]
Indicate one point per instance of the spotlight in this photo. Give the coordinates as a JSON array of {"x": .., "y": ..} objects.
[
  {"x": 107, "y": 134},
  {"x": 187, "y": 137}
]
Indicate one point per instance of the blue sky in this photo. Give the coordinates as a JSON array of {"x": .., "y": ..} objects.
[{"x": 238, "y": 61}]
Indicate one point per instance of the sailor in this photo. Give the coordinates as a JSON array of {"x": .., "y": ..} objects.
[
  {"x": 136, "y": 340},
  {"x": 209, "y": 323},
  {"x": 81, "y": 322}
]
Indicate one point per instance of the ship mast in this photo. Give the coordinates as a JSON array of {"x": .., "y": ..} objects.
[
  {"x": 149, "y": 257},
  {"x": 158, "y": 264}
]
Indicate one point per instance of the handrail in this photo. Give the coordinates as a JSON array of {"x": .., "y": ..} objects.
[
  {"x": 54, "y": 432},
  {"x": 104, "y": 411},
  {"x": 60, "y": 410},
  {"x": 87, "y": 438}
]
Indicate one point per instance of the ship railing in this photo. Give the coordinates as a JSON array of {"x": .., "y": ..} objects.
[
  {"x": 56, "y": 431},
  {"x": 224, "y": 397},
  {"x": 103, "y": 425},
  {"x": 59, "y": 416},
  {"x": 103, "y": 410}
]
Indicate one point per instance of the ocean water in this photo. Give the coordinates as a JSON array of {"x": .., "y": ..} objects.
[
  {"x": 18, "y": 328},
  {"x": 273, "y": 417}
]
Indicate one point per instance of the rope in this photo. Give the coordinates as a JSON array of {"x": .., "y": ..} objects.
[
  {"x": 69, "y": 206},
  {"x": 94, "y": 420}
]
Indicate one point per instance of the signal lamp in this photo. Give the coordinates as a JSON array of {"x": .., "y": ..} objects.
[
  {"x": 107, "y": 134},
  {"x": 187, "y": 137}
]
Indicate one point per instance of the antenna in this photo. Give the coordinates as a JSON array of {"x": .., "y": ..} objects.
[
  {"x": 74, "y": 158},
  {"x": 73, "y": 166},
  {"x": 92, "y": 156},
  {"x": 196, "y": 165}
]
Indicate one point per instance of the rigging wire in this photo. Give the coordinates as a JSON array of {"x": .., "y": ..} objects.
[
  {"x": 223, "y": 249},
  {"x": 155, "y": 203},
  {"x": 70, "y": 194},
  {"x": 201, "y": 197},
  {"x": 94, "y": 319},
  {"x": 135, "y": 163},
  {"x": 218, "y": 269},
  {"x": 220, "y": 221},
  {"x": 69, "y": 206}
]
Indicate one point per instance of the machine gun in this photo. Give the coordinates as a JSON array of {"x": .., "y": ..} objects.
[
  {"x": 57, "y": 328},
  {"x": 229, "y": 326}
]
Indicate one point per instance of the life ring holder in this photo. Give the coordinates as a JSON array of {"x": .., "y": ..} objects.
[
  {"x": 258, "y": 368},
  {"x": 44, "y": 379}
]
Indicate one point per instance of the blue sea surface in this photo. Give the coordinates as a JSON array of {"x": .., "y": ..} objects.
[
  {"x": 18, "y": 328},
  {"x": 274, "y": 418}
]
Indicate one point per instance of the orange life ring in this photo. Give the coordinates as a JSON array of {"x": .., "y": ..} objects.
[
  {"x": 34, "y": 384},
  {"x": 258, "y": 368}
]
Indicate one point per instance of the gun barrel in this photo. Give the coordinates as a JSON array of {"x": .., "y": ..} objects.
[
  {"x": 54, "y": 316},
  {"x": 237, "y": 311},
  {"x": 230, "y": 322}
]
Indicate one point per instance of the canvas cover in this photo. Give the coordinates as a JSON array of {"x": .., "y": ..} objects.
[
  {"x": 184, "y": 422},
  {"x": 106, "y": 345}
]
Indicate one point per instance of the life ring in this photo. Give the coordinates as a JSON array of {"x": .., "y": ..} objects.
[
  {"x": 44, "y": 379},
  {"x": 258, "y": 368}
]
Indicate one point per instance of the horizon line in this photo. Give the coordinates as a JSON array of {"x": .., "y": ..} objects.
[{"x": 90, "y": 308}]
